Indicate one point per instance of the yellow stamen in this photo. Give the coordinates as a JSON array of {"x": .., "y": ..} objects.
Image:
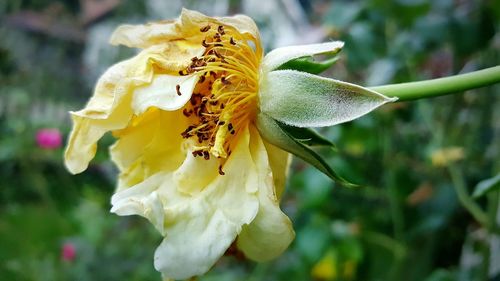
[{"x": 225, "y": 98}]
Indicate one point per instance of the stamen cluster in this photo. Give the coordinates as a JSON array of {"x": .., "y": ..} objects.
[{"x": 224, "y": 97}]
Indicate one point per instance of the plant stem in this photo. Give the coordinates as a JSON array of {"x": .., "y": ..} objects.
[
  {"x": 441, "y": 86},
  {"x": 467, "y": 202}
]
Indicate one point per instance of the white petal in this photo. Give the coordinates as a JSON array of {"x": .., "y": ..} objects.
[
  {"x": 279, "y": 56},
  {"x": 162, "y": 93}
]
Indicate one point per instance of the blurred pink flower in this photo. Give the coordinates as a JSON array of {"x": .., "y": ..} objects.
[
  {"x": 68, "y": 252},
  {"x": 49, "y": 138}
]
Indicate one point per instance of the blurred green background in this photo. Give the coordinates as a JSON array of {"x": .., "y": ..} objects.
[{"x": 405, "y": 223}]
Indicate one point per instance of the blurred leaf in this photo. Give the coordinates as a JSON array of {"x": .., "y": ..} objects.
[
  {"x": 313, "y": 239},
  {"x": 485, "y": 186},
  {"x": 341, "y": 14},
  {"x": 441, "y": 275}
]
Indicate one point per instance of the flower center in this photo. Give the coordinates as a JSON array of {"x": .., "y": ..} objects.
[{"x": 225, "y": 98}]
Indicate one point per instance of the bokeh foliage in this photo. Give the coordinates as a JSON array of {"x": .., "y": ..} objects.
[{"x": 404, "y": 223}]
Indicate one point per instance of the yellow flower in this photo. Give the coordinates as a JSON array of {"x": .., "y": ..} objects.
[{"x": 188, "y": 112}]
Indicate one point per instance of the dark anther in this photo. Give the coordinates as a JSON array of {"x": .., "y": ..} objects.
[
  {"x": 178, "y": 89},
  {"x": 204, "y": 43},
  {"x": 205, "y": 29},
  {"x": 221, "y": 172},
  {"x": 222, "y": 106},
  {"x": 218, "y": 45},
  {"x": 230, "y": 127},
  {"x": 186, "y": 112},
  {"x": 231, "y": 40},
  {"x": 222, "y": 123},
  {"x": 220, "y": 29},
  {"x": 202, "y": 79},
  {"x": 206, "y": 155},
  {"x": 217, "y": 54},
  {"x": 225, "y": 81},
  {"x": 182, "y": 73}
]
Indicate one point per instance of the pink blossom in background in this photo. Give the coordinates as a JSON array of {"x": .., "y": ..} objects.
[
  {"x": 49, "y": 138},
  {"x": 68, "y": 252}
]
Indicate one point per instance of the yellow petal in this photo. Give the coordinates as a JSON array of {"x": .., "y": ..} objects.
[
  {"x": 121, "y": 87},
  {"x": 198, "y": 226},
  {"x": 271, "y": 232},
  {"x": 280, "y": 161},
  {"x": 150, "y": 144},
  {"x": 195, "y": 173},
  {"x": 107, "y": 110},
  {"x": 186, "y": 28},
  {"x": 163, "y": 93}
]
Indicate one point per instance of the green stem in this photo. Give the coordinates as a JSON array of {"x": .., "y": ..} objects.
[
  {"x": 459, "y": 184},
  {"x": 441, "y": 86}
]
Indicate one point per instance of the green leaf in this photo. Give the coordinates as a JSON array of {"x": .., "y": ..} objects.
[
  {"x": 307, "y": 136},
  {"x": 274, "y": 132},
  {"x": 304, "y": 100},
  {"x": 309, "y": 65},
  {"x": 486, "y": 186}
]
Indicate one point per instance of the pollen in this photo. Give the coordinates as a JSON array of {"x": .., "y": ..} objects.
[{"x": 224, "y": 100}]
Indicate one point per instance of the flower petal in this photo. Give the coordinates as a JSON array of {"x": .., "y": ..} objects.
[
  {"x": 162, "y": 93},
  {"x": 151, "y": 143},
  {"x": 280, "y": 161},
  {"x": 199, "y": 226},
  {"x": 279, "y": 56},
  {"x": 142, "y": 199},
  {"x": 186, "y": 29},
  {"x": 107, "y": 110},
  {"x": 271, "y": 232},
  {"x": 304, "y": 100}
]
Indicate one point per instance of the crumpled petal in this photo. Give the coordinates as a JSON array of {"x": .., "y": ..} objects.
[
  {"x": 122, "y": 91},
  {"x": 151, "y": 143},
  {"x": 107, "y": 110},
  {"x": 199, "y": 226},
  {"x": 271, "y": 232},
  {"x": 279, "y": 56},
  {"x": 185, "y": 29}
]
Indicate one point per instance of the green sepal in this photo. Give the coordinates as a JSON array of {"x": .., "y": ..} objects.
[
  {"x": 275, "y": 133},
  {"x": 309, "y": 65},
  {"x": 307, "y": 136},
  {"x": 486, "y": 186},
  {"x": 303, "y": 100}
]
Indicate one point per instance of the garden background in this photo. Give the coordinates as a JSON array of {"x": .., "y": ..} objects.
[{"x": 406, "y": 222}]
